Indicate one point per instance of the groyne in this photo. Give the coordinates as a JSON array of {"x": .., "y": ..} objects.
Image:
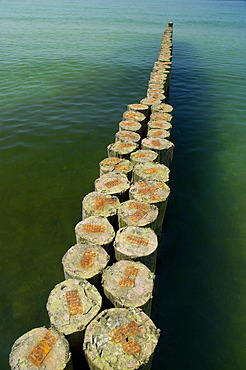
[{"x": 102, "y": 310}]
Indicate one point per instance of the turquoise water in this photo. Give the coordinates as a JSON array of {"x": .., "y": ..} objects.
[{"x": 68, "y": 70}]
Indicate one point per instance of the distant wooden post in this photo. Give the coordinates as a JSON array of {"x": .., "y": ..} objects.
[
  {"x": 85, "y": 261},
  {"x": 166, "y": 108},
  {"x": 40, "y": 348},
  {"x": 71, "y": 305},
  {"x": 161, "y": 134},
  {"x": 160, "y": 116},
  {"x": 136, "y": 244},
  {"x": 162, "y": 125},
  {"x": 129, "y": 284},
  {"x": 120, "y": 338}
]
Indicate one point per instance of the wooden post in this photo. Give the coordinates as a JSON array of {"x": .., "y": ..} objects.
[
  {"x": 114, "y": 184},
  {"x": 136, "y": 244},
  {"x": 120, "y": 338},
  {"x": 150, "y": 101},
  {"x": 71, "y": 305},
  {"x": 116, "y": 165},
  {"x": 160, "y": 116},
  {"x": 142, "y": 108},
  {"x": 135, "y": 213},
  {"x": 99, "y": 204},
  {"x": 125, "y": 136},
  {"x": 129, "y": 284},
  {"x": 150, "y": 171},
  {"x": 143, "y": 156},
  {"x": 96, "y": 230},
  {"x": 134, "y": 126},
  {"x": 131, "y": 115},
  {"x": 162, "y": 125},
  {"x": 160, "y": 133},
  {"x": 85, "y": 261},
  {"x": 166, "y": 108},
  {"x": 152, "y": 192},
  {"x": 40, "y": 348},
  {"x": 163, "y": 147},
  {"x": 121, "y": 150}
]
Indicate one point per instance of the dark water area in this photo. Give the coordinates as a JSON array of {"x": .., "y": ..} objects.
[{"x": 67, "y": 77}]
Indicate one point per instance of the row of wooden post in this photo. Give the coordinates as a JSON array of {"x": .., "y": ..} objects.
[{"x": 104, "y": 303}]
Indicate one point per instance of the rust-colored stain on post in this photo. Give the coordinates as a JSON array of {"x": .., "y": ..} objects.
[
  {"x": 121, "y": 335},
  {"x": 141, "y": 155},
  {"x": 147, "y": 190},
  {"x": 149, "y": 171},
  {"x": 122, "y": 167},
  {"x": 42, "y": 349},
  {"x": 128, "y": 281},
  {"x": 138, "y": 240},
  {"x": 100, "y": 203},
  {"x": 88, "y": 259},
  {"x": 112, "y": 183},
  {"x": 139, "y": 206},
  {"x": 74, "y": 303},
  {"x": 125, "y": 145},
  {"x": 137, "y": 216},
  {"x": 110, "y": 161},
  {"x": 93, "y": 229},
  {"x": 156, "y": 143}
]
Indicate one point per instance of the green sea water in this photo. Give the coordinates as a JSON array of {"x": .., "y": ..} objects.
[{"x": 68, "y": 71}]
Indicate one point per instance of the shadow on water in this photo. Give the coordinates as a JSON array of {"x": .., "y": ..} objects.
[{"x": 194, "y": 294}]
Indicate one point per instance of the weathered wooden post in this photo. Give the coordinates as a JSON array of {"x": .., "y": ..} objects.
[
  {"x": 96, "y": 230},
  {"x": 116, "y": 165},
  {"x": 132, "y": 115},
  {"x": 150, "y": 171},
  {"x": 160, "y": 116},
  {"x": 150, "y": 101},
  {"x": 99, "y": 204},
  {"x": 152, "y": 192},
  {"x": 40, "y": 348},
  {"x": 114, "y": 184},
  {"x": 134, "y": 126},
  {"x": 163, "y": 147},
  {"x": 162, "y": 134},
  {"x": 129, "y": 284},
  {"x": 143, "y": 156},
  {"x": 121, "y": 150},
  {"x": 137, "y": 213},
  {"x": 136, "y": 244},
  {"x": 71, "y": 305},
  {"x": 125, "y": 136},
  {"x": 162, "y": 125},
  {"x": 85, "y": 261},
  {"x": 120, "y": 338},
  {"x": 142, "y": 108},
  {"x": 166, "y": 108}
]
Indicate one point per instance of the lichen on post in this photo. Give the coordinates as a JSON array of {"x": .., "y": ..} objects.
[
  {"x": 137, "y": 244},
  {"x": 85, "y": 261},
  {"x": 152, "y": 192},
  {"x": 40, "y": 348},
  {"x": 71, "y": 305},
  {"x": 121, "y": 150},
  {"x": 114, "y": 184},
  {"x": 163, "y": 147},
  {"x": 137, "y": 213},
  {"x": 150, "y": 171},
  {"x": 129, "y": 284},
  {"x": 120, "y": 338},
  {"x": 143, "y": 156},
  {"x": 96, "y": 230}
]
